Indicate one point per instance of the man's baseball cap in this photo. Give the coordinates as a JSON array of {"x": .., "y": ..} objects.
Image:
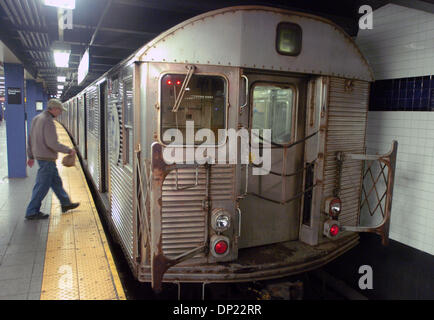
[{"x": 55, "y": 103}]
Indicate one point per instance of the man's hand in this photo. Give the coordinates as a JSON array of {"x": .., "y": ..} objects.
[{"x": 30, "y": 162}]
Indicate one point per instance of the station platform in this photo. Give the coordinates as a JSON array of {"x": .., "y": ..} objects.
[{"x": 65, "y": 257}]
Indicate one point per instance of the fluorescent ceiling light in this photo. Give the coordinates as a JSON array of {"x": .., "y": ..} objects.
[
  {"x": 61, "y": 79},
  {"x": 60, "y": 87},
  {"x": 65, "y": 4},
  {"x": 83, "y": 67},
  {"x": 61, "y": 58}
]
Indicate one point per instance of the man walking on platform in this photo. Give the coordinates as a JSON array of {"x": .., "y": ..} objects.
[{"x": 43, "y": 146}]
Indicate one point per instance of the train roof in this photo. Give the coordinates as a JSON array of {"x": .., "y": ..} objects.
[{"x": 245, "y": 36}]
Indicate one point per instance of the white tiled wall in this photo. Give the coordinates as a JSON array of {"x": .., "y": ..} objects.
[
  {"x": 401, "y": 43},
  {"x": 412, "y": 221}
]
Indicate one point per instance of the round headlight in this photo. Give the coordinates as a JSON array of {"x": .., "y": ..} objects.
[
  {"x": 221, "y": 220},
  {"x": 335, "y": 207}
]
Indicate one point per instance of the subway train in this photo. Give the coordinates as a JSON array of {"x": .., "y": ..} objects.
[{"x": 294, "y": 88}]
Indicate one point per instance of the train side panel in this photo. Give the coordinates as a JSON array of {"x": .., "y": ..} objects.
[
  {"x": 121, "y": 158},
  {"x": 93, "y": 135}
]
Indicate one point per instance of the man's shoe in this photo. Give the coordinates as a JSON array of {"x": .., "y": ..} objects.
[
  {"x": 70, "y": 206},
  {"x": 38, "y": 216}
]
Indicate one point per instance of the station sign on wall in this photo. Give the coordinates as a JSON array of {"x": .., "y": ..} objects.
[{"x": 14, "y": 96}]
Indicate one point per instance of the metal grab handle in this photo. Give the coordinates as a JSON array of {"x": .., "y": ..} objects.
[
  {"x": 247, "y": 94},
  {"x": 247, "y": 180},
  {"x": 247, "y": 183},
  {"x": 144, "y": 196},
  {"x": 190, "y": 72},
  {"x": 239, "y": 222},
  {"x": 190, "y": 186}
]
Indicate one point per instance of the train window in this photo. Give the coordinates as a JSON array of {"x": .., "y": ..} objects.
[
  {"x": 204, "y": 103},
  {"x": 288, "y": 39},
  {"x": 128, "y": 120},
  {"x": 273, "y": 109}
]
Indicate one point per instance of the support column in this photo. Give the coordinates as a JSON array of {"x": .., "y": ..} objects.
[
  {"x": 30, "y": 102},
  {"x": 15, "y": 120},
  {"x": 34, "y": 100},
  {"x": 45, "y": 99}
]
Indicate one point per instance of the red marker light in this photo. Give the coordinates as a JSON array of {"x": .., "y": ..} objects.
[
  {"x": 221, "y": 247},
  {"x": 169, "y": 82},
  {"x": 334, "y": 230},
  {"x": 178, "y": 82}
]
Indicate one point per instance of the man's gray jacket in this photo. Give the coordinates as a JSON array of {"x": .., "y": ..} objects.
[{"x": 42, "y": 142}]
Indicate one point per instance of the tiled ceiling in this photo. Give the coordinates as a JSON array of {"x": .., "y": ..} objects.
[{"x": 113, "y": 29}]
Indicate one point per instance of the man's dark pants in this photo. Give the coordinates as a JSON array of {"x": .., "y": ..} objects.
[{"x": 47, "y": 177}]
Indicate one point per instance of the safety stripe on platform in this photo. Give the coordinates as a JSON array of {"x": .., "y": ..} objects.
[{"x": 78, "y": 262}]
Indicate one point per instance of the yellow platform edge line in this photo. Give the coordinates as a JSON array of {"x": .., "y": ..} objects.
[{"x": 113, "y": 270}]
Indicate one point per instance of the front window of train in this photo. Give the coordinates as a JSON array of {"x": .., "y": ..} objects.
[
  {"x": 273, "y": 109},
  {"x": 204, "y": 103}
]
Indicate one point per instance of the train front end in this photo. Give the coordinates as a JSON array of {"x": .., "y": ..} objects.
[{"x": 257, "y": 166}]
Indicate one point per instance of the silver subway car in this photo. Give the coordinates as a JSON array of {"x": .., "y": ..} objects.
[{"x": 251, "y": 69}]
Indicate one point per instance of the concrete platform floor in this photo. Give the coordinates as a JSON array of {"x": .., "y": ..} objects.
[{"x": 22, "y": 242}]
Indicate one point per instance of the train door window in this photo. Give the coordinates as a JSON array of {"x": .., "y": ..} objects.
[
  {"x": 203, "y": 103},
  {"x": 128, "y": 121},
  {"x": 273, "y": 109}
]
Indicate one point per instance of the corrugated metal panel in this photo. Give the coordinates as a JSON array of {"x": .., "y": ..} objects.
[
  {"x": 69, "y": 116},
  {"x": 121, "y": 183},
  {"x": 93, "y": 137},
  {"x": 81, "y": 127},
  {"x": 122, "y": 205},
  {"x": 183, "y": 216},
  {"x": 346, "y": 130},
  {"x": 74, "y": 120}
]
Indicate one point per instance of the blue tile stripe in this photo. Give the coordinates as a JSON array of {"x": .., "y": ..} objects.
[{"x": 405, "y": 94}]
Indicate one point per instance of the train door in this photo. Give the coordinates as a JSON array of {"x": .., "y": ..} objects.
[
  {"x": 103, "y": 134},
  {"x": 271, "y": 206},
  {"x": 93, "y": 135},
  {"x": 69, "y": 115},
  {"x": 73, "y": 120},
  {"x": 76, "y": 122},
  {"x": 82, "y": 126},
  {"x": 85, "y": 124}
]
